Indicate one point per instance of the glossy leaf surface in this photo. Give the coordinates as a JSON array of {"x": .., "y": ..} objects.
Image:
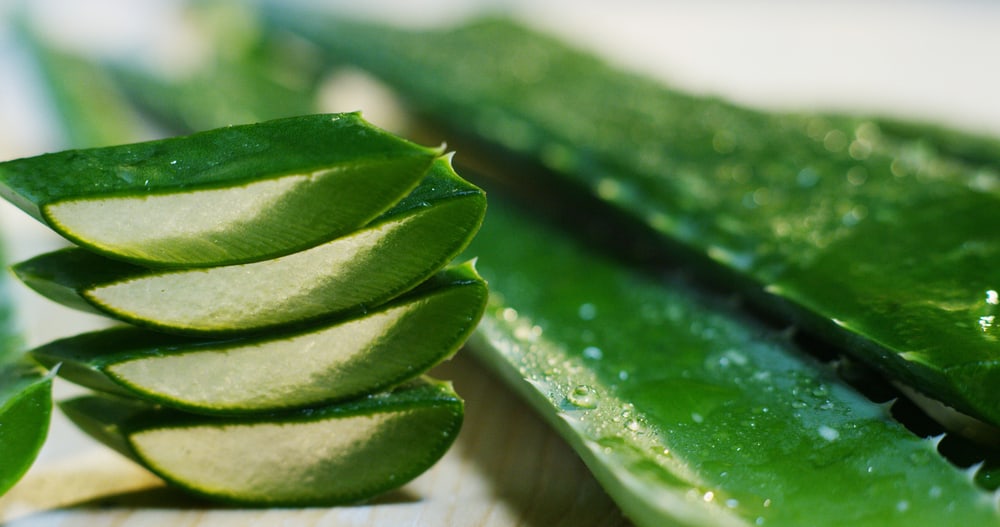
[
  {"x": 351, "y": 274},
  {"x": 882, "y": 242},
  {"x": 320, "y": 456},
  {"x": 230, "y": 195},
  {"x": 315, "y": 365},
  {"x": 25, "y": 399},
  {"x": 25, "y": 407},
  {"x": 687, "y": 411}
]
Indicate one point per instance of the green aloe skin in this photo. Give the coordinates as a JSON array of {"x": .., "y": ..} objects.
[
  {"x": 848, "y": 227},
  {"x": 25, "y": 407},
  {"x": 690, "y": 412}
]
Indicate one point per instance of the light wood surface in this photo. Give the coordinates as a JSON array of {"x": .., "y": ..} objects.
[{"x": 507, "y": 468}]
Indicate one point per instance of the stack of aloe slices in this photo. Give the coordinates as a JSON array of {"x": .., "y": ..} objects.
[{"x": 285, "y": 284}]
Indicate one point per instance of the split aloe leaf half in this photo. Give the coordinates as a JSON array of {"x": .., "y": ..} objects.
[
  {"x": 225, "y": 196},
  {"x": 690, "y": 412},
  {"x": 307, "y": 367},
  {"x": 320, "y": 456},
  {"x": 25, "y": 408},
  {"x": 868, "y": 234},
  {"x": 350, "y": 274}
]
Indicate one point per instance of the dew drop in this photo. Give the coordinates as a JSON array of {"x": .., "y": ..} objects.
[
  {"x": 593, "y": 352},
  {"x": 623, "y": 375},
  {"x": 509, "y": 314},
  {"x": 583, "y": 396},
  {"x": 698, "y": 418},
  {"x": 860, "y": 149},
  {"x": 903, "y": 506},
  {"x": 807, "y": 178},
  {"x": 857, "y": 176},
  {"x": 834, "y": 141},
  {"x": 587, "y": 311},
  {"x": 608, "y": 189},
  {"x": 732, "y": 503},
  {"x": 992, "y": 297},
  {"x": 830, "y": 434},
  {"x": 708, "y": 496}
]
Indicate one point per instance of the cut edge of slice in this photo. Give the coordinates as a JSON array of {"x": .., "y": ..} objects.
[
  {"x": 321, "y": 456},
  {"x": 334, "y": 361},
  {"x": 253, "y": 221}
]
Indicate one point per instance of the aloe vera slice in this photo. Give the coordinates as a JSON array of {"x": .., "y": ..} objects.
[
  {"x": 25, "y": 408},
  {"x": 353, "y": 273},
  {"x": 231, "y": 195},
  {"x": 877, "y": 241},
  {"x": 320, "y": 456},
  {"x": 316, "y": 365},
  {"x": 690, "y": 412}
]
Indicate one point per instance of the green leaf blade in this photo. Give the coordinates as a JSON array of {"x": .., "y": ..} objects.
[
  {"x": 689, "y": 413},
  {"x": 793, "y": 208},
  {"x": 25, "y": 408}
]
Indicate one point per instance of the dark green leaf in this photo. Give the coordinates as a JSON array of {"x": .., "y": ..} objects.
[
  {"x": 881, "y": 242},
  {"x": 689, "y": 412}
]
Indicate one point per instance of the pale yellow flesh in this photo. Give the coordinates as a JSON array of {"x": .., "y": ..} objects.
[
  {"x": 139, "y": 226},
  {"x": 217, "y": 298},
  {"x": 278, "y": 373},
  {"x": 262, "y": 461}
]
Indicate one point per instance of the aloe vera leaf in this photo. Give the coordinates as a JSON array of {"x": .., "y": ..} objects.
[
  {"x": 25, "y": 400},
  {"x": 319, "y": 456},
  {"x": 25, "y": 408},
  {"x": 351, "y": 274},
  {"x": 316, "y": 365},
  {"x": 688, "y": 411},
  {"x": 231, "y": 195},
  {"x": 90, "y": 110},
  {"x": 880, "y": 243},
  {"x": 249, "y": 75}
]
